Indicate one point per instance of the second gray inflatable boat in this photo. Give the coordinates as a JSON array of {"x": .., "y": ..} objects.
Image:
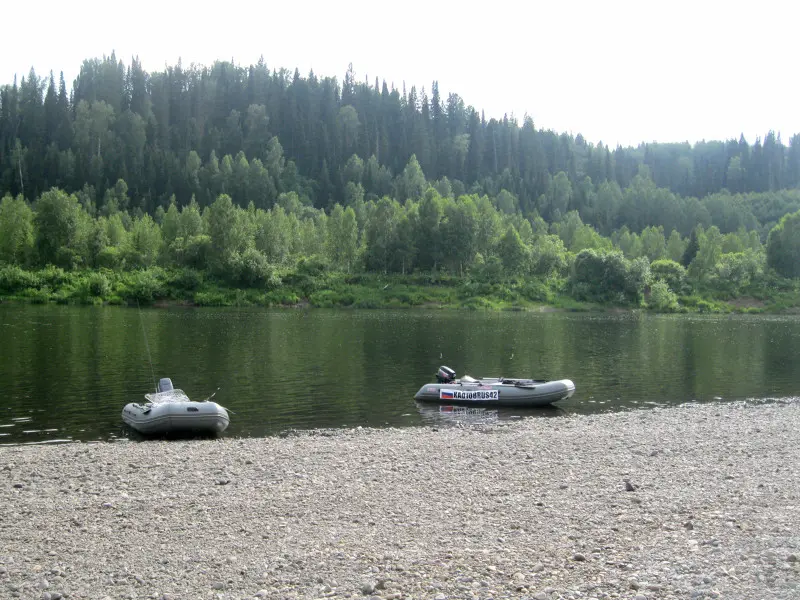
[{"x": 493, "y": 391}]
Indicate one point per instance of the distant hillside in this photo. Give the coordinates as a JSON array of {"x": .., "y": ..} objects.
[{"x": 254, "y": 133}]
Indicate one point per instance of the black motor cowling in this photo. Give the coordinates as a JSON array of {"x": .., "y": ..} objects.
[{"x": 445, "y": 375}]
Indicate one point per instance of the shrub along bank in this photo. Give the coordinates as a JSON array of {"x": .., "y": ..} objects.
[{"x": 597, "y": 282}]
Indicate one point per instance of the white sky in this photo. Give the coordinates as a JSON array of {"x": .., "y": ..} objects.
[{"x": 617, "y": 71}]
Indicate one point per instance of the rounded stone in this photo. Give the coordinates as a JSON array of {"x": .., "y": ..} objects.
[{"x": 367, "y": 588}]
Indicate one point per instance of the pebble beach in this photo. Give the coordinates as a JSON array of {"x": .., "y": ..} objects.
[{"x": 692, "y": 501}]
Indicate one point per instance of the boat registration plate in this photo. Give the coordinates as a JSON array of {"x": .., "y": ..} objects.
[{"x": 469, "y": 395}]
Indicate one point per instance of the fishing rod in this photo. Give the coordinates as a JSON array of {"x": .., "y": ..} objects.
[
  {"x": 150, "y": 360},
  {"x": 147, "y": 345},
  {"x": 214, "y": 394}
]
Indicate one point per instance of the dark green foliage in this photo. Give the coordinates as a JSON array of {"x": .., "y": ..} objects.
[
  {"x": 194, "y": 251},
  {"x": 513, "y": 253},
  {"x": 251, "y": 269},
  {"x": 487, "y": 270},
  {"x": 53, "y": 276},
  {"x": 770, "y": 292},
  {"x": 57, "y": 224},
  {"x": 312, "y": 267},
  {"x": 783, "y": 246},
  {"x": 608, "y": 277},
  {"x": 142, "y": 286},
  {"x": 288, "y": 188},
  {"x": 549, "y": 257},
  {"x": 662, "y": 298},
  {"x": 187, "y": 280},
  {"x": 671, "y": 273},
  {"x": 691, "y": 249},
  {"x": 13, "y": 279},
  {"x": 211, "y": 298},
  {"x": 704, "y": 306},
  {"x": 536, "y": 291},
  {"x": 254, "y": 132},
  {"x": 332, "y": 298},
  {"x": 98, "y": 285},
  {"x": 307, "y": 277},
  {"x": 16, "y": 230}
]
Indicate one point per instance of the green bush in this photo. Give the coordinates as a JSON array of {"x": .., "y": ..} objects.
[
  {"x": 109, "y": 257},
  {"x": 671, "y": 273},
  {"x": 487, "y": 270},
  {"x": 306, "y": 278},
  {"x": 54, "y": 276},
  {"x": 471, "y": 288},
  {"x": 505, "y": 293},
  {"x": 783, "y": 246},
  {"x": 250, "y": 269},
  {"x": 193, "y": 252},
  {"x": 609, "y": 277},
  {"x": 14, "y": 279},
  {"x": 98, "y": 285},
  {"x": 212, "y": 298},
  {"x": 359, "y": 278},
  {"x": 476, "y": 304},
  {"x": 407, "y": 298},
  {"x": 311, "y": 266},
  {"x": 188, "y": 280},
  {"x": 65, "y": 295},
  {"x": 367, "y": 302},
  {"x": 331, "y": 299},
  {"x": 702, "y": 305},
  {"x": 662, "y": 298},
  {"x": 535, "y": 291},
  {"x": 281, "y": 297},
  {"x": 39, "y": 295},
  {"x": 142, "y": 286}
]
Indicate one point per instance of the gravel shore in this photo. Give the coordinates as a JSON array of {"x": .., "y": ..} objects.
[{"x": 696, "y": 501}]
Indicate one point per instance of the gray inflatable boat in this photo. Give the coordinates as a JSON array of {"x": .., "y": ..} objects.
[
  {"x": 170, "y": 410},
  {"x": 493, "y": 391}
]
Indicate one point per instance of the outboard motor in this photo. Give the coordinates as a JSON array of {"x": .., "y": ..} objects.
[
  {"x": 165, "y": 384},
  {"x": 445, "y": 375}
]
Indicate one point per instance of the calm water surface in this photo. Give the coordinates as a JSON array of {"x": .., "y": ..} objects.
[{"x": 66, "y": 372}]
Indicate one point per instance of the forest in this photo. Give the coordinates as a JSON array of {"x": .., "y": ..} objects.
[{"x": 262, "y": 179}]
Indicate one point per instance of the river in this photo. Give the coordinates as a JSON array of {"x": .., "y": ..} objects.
[{"x": 67, "y": 371}]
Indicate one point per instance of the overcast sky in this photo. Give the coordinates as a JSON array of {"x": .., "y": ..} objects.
[{"x": 617, "y": 71}]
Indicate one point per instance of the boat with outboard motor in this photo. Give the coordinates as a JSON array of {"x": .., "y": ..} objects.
[
  {"x": 493, "y": 391},
  {"x": 170, "y": 410}
]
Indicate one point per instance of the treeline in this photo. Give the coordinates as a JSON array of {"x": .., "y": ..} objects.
[
  {"x": 467, "y": 238},
  {"x": 255, "y": 133}
]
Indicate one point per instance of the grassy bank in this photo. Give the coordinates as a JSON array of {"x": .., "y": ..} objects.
[{"x": 305, "y": 286}]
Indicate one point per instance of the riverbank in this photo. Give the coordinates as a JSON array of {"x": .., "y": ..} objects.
[
  {"x": 306, "y": 287},
  {"x": 697, "y": 501}
]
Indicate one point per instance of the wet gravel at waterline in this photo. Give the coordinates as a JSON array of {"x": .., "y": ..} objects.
[{"x": 696, "y": 501}]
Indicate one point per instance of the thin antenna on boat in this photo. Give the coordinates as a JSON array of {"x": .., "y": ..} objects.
[{"x": 146, "y": 345}]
